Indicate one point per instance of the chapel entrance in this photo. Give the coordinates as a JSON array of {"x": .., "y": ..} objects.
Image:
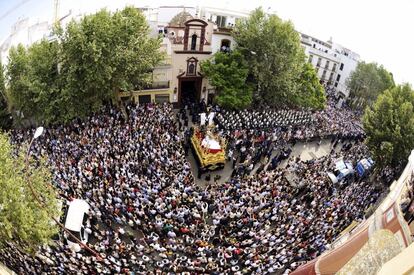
[{"x": 189, "y": 90}]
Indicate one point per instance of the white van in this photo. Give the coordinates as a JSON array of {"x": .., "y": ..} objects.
[
  {"x": 342, "y": 171},
  {"x": 75, "y": 221}
]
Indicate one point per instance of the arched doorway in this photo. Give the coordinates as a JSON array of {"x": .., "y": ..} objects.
[{"x": 189, "y": 89}]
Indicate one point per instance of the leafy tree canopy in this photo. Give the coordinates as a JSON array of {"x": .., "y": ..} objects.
[
  {"x": 367, "y": 82},
  {"x": 227, "y": 72},
  {"x": 22, "y": 219},
  {"x": 104, "y": 52},
  {"x": 90, "y": 59},
  {"x": 275, "y": 58},
  {"x": 5, "y": 122},
  {"x": 311, "y": 94},
  {"x": 389, "y": 125},
  {"x": 2, "y": 84},
  {"x": 34, "y": 88}
]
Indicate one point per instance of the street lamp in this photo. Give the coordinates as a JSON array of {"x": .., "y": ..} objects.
[{"x": 39, "y": 131}]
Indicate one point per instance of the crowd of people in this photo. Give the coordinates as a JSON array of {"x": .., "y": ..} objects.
[
  {"x": 268, "y": 119},
  {"x": 148, "y": 214},
  {"x": 299, "y": 125}
]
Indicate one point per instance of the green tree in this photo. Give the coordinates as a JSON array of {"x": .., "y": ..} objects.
[
  {"x": 275, "y": 57},
  {"x": 34, "y": 81},
  {"x": 2, "y": 81},
  {"x": 56, "y": 81},
  {"x": 44, "y": 80},
  {"x": 389, "y": 125},
  {"x": 105, "y": 52},
  {"x": 227, "y": 72},
  {"x": 5, "y": 122},
  {"x": 22, "y": 219},
  {"x": 310, "y": 94},
  {"x": 367, "y": 82},
  {"x": 19, "y": 83}
]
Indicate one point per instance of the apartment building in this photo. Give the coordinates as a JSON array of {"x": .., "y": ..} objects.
[{"x": 332, "y": 62}]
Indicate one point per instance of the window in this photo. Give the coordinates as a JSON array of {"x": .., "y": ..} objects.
[
  {"x": 319, "y": 62},
  {"x": 327, "y": 64},
  {"x": 162, "y": 98},
  {"x": 225, "y": 45},
  {"x": 323, "y": 75},
  {"x": 221, "y": 21},
  {"x": 336, "y": 84},
  {"x": 334, "y": 67},
  {"x": 193, "y": 42},
  {"x": 338, "y": 77},
  {"x": 310, "y": 58},
  {"x": 341, "y": 67},
  {"x": 142, "y": 99},
  {"x": 331, "y": 77}
]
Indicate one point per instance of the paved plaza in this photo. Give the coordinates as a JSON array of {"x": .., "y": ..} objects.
[{"x": 306, "y": 151}]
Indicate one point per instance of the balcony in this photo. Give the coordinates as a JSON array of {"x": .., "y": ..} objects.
[
  {"x": 157, "y": 85},
  {"x": 223, "y": 30}
]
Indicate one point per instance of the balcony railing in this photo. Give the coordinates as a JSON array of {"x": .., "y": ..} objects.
[
  {"x": 226, "y": 29},
  {"x": 157, "y": 85}
]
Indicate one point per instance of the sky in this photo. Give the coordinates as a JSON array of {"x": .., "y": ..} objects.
[{"x": 379, "y": 30}]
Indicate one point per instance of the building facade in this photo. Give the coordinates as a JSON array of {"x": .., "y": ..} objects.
[
  {"x": 187, "y": 42},
  {"x": 188, "y": 37},
  {"x": 333, "y": 63},
  {"x": 173, "y": 80}
]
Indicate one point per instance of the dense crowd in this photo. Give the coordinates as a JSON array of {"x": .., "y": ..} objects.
[
  {"x": 149, "y": 215},
  {"x": 300, "y": 125},
  {"x": 268, "y": 119}
]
